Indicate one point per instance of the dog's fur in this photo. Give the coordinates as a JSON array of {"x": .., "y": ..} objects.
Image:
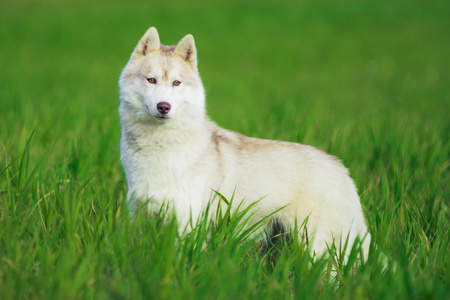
[{"x": 181, "y": 157}]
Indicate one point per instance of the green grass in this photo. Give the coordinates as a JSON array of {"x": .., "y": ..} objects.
[{"x": 368, "y": 81}]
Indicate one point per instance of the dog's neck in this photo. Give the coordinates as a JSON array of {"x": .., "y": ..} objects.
[
  {"x": 163, "y": 149},
  {"x": 158, "y": 135}
]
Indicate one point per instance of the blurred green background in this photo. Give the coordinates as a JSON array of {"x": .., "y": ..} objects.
[
  {"x": 368, "y": 81},
  {"x": 263, "y": 63}
]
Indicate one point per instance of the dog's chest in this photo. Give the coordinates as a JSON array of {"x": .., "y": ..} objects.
[{"x": 163, "y": 170}]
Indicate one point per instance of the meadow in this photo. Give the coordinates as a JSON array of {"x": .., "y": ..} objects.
[{"x": 367, "y": 81}]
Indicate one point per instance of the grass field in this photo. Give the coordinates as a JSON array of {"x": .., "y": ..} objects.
[{"x": 368, "y": 81}]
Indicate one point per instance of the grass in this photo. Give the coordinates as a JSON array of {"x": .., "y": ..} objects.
[{"x": 366, "y": 81}]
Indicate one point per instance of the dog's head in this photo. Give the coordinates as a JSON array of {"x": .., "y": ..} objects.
[{"x": 161, "y": 83}]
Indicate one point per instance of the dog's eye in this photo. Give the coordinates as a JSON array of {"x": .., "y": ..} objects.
[
  {"x": 176, "y": 83},
  {"x": 151, "y": 80}
]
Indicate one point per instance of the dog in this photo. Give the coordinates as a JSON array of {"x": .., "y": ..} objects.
[{"x": 173, "y": 154}]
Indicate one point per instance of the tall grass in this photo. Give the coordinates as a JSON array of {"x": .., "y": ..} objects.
[{"x": 366, "y": 81}]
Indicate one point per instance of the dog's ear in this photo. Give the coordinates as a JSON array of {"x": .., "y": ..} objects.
[
  {"x": 148, "y": 43},
  {"x": 186, "y": 49}
]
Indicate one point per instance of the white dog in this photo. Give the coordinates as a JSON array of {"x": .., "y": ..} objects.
[{"x": 172, "y": 153}]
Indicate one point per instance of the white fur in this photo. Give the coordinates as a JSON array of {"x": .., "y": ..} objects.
[{"x": 182, "y": 158}]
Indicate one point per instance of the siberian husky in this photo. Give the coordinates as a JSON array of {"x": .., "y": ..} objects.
[{"x": 173, "y": 153}]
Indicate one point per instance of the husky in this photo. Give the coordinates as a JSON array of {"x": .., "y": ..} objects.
[{"x": 173, "y": 153}]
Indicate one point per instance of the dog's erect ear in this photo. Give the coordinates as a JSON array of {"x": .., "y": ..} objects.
[
  {"x": 186, "y": 49},
  {"x": 148, "y": 43}
]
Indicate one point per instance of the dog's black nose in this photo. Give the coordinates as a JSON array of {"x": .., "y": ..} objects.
[{"x": 163, "y": 108}]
